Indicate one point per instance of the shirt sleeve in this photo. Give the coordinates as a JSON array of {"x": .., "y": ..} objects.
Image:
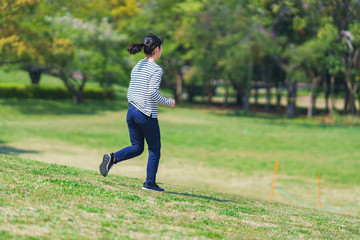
[{"x": 154, "y": 86}]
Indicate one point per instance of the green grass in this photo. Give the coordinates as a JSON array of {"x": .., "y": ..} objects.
[
  {"x": 49, "y": 201},
  {"x": 212, "y": 149},
  {"x": 21, "y": 77},
  {"x": 221, "y": 150}
]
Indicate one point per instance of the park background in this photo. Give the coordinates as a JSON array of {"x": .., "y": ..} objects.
[{"x": 256, "y": 82}]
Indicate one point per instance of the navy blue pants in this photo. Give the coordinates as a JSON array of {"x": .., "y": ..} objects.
[{"x": 140, "y": 127}]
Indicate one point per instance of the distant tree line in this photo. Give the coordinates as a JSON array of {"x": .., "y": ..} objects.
[{"x": 246, "y": 44}]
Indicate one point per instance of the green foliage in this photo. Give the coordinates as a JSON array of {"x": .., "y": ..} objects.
[
  {"x": 25, "y": 40},
  {"x": 19, "y": 91},
  {"x": 97, "y": 47},
  {"x": 204, "y": 40}
]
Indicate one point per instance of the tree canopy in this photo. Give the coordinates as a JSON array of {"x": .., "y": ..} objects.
[{"x": 245, "y": 45}]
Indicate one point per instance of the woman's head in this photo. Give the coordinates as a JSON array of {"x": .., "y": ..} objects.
[{"x": 151, "y": 42}]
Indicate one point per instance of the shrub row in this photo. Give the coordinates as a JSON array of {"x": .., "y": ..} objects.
[{"x": 11, "y": 90}]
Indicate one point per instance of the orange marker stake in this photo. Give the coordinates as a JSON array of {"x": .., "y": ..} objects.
[
  {"x": 319, "y": 186},
  {"x": 273, "y": 186}
]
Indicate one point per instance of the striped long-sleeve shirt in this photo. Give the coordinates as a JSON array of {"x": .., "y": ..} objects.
[{"x": 143, "y": 90}]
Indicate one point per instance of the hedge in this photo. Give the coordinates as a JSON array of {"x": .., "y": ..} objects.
[{"x": 13, "y": 90}]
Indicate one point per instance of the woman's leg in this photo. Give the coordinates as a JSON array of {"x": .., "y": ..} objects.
[
  {"x": 136, "y": 138},
  {"x": 151, "y": 132}
]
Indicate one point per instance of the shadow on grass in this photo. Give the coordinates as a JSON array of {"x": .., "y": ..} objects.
[
  {"x": 277, "y": 116},
  {"x": 199, "y": 196},
  {"x": 63, "y": 107},
  {"x": 13, "y": 151},
  {"x": 282, "y": 120}
]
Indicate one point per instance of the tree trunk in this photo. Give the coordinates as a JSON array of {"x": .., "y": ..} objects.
[
  {"x": 350, "y": 64},
  {"x": 76, "y": 91},
  {"x": 248, "y": 88},
  {"x": 178, "y": 87},
  {"x": 102, "y": 79},
  {"x": 332, "y": 95},
  {"x": 316, "y": 94},
  {"x": 291, "y": 100},
  {"x": 311, "y": 101},
  {"x": 227, "y": 87},
  {"x": 278, "y": 95},
  {"x": 35, "y": 76},
  {"x": 265, "y": 77},
  {"x": 268, "y": 96},
  {"x": 203, "y": 93},
  {"x": 80, "y": 99},
  {"x": 239, "y": 94},
  {"x": 191, "y": 92},
  {"x": 352, "y": 88},
  {"x": 210, "y": 92},
  {"x": 346, "y": 99},
  {"x": 78, "y": 96},
  {"x": 314, "y": 84},
  {"x": 256, "y": 96},
  {"x": 326, "y": 94}
]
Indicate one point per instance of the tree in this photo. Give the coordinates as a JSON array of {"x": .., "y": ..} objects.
[
  {"x": 290, "y": 24},
  {"x": 310, "y": 57},
  {"x": 238, "y": 64},
  {"x": 203, "y": 50},
  {"x": 267, "y": 48},
  {"x": 212, "y": 36},
  {"x": 343, "y": 58},
  {"x": 96, "y": 52},
  {"x": 351, "y": 62},
  {"x": 25, "y": 41},
  {"x": 166, "y": 19}
]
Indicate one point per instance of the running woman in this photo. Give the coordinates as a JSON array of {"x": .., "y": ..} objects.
[{"x": 143, "y": 98}]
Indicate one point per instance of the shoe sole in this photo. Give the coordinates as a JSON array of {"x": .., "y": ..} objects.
[
  {"x": 104, "y": 166},
  {"x": 149, "y": 189}
]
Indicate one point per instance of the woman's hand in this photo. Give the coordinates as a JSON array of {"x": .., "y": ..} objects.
[{"x": 172, "y": 103}]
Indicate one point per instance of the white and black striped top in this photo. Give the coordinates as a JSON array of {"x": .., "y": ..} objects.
[{"x": 143, "y": 90}]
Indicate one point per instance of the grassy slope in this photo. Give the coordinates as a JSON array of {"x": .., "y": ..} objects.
[
  {"x": 222, "y": 139},
  {"x": 53, "y": 201},
  {"x": 243, "y": 147}
]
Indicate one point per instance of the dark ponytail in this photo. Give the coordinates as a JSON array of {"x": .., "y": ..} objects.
[
  {"x": 134, "y": 48},
  {"x": 151, "y": 42}
]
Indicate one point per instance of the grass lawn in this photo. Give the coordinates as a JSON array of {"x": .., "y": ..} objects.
[
  {"x": 213, "y": 149},
  {"x": 49, "y": 201},
  {"x": 210, "y": 149},
  {"x": 22, "y": 77}
]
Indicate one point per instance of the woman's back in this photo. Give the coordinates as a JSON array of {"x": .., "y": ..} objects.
[{"x": 143, "y": 89}]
